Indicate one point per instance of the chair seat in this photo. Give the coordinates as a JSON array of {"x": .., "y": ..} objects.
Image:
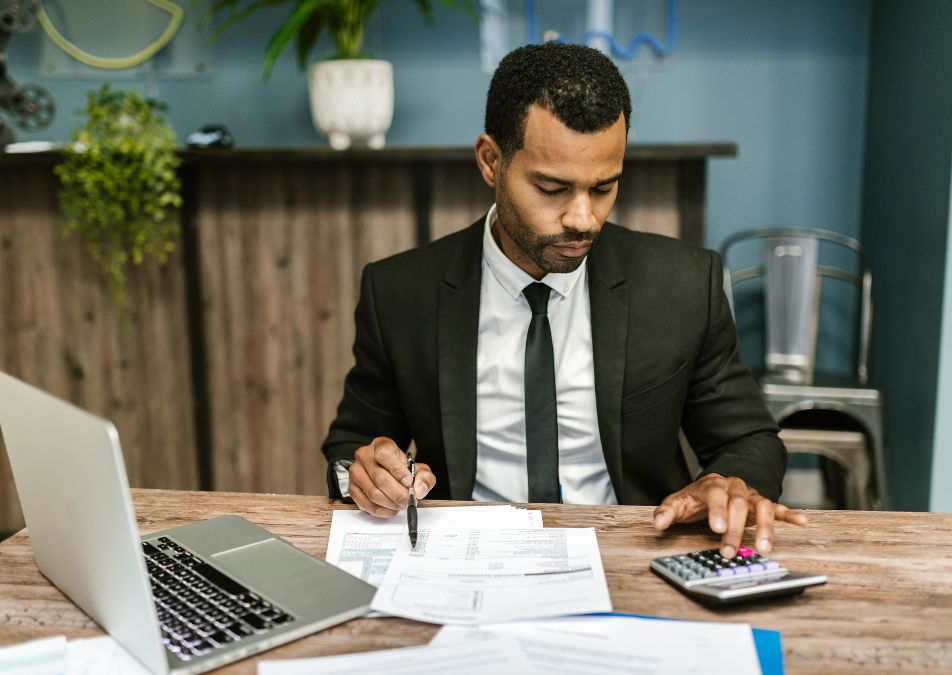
[
  {"x": 838, "y": 417},
  {"x": 847, "y": 449},
  {"x": 812, "y": 392}
]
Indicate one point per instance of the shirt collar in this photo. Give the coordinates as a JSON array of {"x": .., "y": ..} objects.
[{"x": 512, "y": 277}]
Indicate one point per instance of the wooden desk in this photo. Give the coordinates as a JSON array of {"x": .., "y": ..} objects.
[{"x": 887, "y": 607}]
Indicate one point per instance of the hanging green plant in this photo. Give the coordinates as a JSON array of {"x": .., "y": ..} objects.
[{"x": 120, "y": 191}]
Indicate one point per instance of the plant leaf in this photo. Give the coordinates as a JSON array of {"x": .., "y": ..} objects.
[
  {"x": 308, "y": 35},
  {"x": 235, "y": 15},
  {"x": 286, "y": 31},
  {"x": 426, "y": 9},
  {"x": 471, "y": 8}
]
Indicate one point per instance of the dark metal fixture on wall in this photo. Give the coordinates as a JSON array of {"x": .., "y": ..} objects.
[{"x": 29, "y": 106}]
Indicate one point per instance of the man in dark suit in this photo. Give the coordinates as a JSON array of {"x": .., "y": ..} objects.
[{"x": 543, "y": 354}]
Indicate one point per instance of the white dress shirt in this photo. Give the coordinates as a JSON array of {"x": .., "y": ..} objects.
[{"x": 504, "y": 317}]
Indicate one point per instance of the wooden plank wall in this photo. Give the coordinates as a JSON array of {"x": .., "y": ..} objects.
[
  {"x": 235, "y": 363},
  {"x": 59, "y": 332},
  {"x": 281, "y": 250}
]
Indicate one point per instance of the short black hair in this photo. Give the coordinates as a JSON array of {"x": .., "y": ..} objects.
[{"x": 578, "y": 84}]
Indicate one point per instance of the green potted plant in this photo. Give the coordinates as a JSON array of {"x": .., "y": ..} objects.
[
  {"x": 119, "y": 188},
  {"x": 351, "y": 95}
]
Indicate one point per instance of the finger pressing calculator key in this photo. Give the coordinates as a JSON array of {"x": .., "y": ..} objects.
[{"x": 709, "y": 577}]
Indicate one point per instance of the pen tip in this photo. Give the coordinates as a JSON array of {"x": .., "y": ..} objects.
[{"x": 412, "y": 541}]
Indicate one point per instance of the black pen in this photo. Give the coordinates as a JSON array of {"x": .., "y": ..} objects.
[{"x": 411, "y": 507}]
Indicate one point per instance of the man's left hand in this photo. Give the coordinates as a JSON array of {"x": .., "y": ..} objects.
[{"x": 729, "y": 506}]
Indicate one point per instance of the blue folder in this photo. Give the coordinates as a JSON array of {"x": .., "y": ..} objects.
[{"x": 769, "y": 649}]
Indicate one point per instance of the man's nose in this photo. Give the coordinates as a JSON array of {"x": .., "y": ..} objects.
[{"x": 579, "y": 215}]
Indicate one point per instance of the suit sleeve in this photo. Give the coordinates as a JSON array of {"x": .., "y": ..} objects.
[
  {"x": 371, "y": 404},
  {"x": 725, "y": 419}
]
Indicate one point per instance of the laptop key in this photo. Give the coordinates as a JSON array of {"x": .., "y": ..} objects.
[
  {"x": 202, "y": 647},
  {"x": 255, "y": 621},
  {"x": 241, "y": 629},
  {"x": 227, "y": 584},
  {"x": 222, "y": 637}
]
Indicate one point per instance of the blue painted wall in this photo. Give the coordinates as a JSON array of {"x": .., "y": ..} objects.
[
  {"x": 941, "y": 499},
  {"x": 785, "y": 80},
  {"x": 905, "y": 225}
]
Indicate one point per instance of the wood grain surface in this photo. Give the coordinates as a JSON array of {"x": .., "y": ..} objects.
[
  {"x": 281, "y": 251},
  {"x": 886, "y": 609},
  {"x": 59, "y": 332}
]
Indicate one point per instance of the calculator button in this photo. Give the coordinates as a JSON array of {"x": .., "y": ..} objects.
[
  {"x": 741, "y": 569},
  {"x": 744, "y": 552},
  {"x": 756, "y": 567},
  {"x": 725, "y": 572},
  {"x": 771, "y": 564}
]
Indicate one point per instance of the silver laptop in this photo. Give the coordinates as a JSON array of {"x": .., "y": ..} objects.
[{"x": 184, "y": 600}]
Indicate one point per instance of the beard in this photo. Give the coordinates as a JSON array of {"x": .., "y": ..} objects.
[{"x": 534, "y": 245}]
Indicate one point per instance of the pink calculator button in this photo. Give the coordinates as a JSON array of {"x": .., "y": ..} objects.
[{"x": 744, "y": 552}]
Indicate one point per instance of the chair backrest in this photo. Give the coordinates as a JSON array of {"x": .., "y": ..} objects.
[{"x": 793, "y": 276}]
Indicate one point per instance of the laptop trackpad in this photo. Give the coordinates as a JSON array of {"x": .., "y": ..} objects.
[{"x": 267, "y": 562}]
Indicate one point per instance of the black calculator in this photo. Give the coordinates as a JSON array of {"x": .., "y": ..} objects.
[{"x": 710, "y": 578}]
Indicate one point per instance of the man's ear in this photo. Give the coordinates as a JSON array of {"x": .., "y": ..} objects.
[{"x": 489, "y": 159}]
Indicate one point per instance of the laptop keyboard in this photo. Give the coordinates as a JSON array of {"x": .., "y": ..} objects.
[{"x": 199, "y": 608}]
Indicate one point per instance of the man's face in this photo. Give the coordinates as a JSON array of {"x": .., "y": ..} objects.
[{"x": 554, "y": 195}]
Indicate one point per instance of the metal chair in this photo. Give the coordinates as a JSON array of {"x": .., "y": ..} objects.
[{"x": 819, "y": 414}]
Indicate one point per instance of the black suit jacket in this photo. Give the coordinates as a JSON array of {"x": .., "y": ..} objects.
[{"x": 665, "y": 354}]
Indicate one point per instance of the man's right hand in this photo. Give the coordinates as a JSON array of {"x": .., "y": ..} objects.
[{"x": 380, "y": 480}]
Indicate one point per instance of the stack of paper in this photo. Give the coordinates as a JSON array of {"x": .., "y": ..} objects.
[
  {"x": 496, "y": 578},
  {"x": 619, "y": 644},
  {"x": 363, "y": 544},
  {"x": 55, "y": 656},
  {"x": 571, "y": 646},
  {"x": 472, "y": 564},
  {"x": 486, "y": 575}
]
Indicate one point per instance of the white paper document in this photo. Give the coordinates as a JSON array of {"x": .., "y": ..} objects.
[
  {"x": 499, "y": 656},
  {"x": 610, "y": 644},
  {"x": 489, "y": 575},
  {"x": 46, "y": 656},
  {"x": 102, "y": 656},
  {"x": 363, "y": 545},
  {"x": 55, "y": 656}
]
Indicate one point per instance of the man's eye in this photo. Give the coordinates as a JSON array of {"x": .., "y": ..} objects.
[
  {"x": 604, "y": 190},
  {"x": 556, "y": 191}
]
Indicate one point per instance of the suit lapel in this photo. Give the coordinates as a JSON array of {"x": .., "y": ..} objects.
[
  {"x": 608, "y": 293},
  {"x": 457, "y": 333}
]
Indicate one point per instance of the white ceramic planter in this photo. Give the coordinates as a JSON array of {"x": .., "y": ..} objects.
[{"x": 352, "y": 101}]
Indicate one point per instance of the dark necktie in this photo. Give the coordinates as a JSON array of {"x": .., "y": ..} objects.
[{"x": 542, "y": 426}]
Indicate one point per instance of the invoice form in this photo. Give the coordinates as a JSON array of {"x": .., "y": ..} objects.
[
  {"x": 582, "y": 645},
  {"x": 488, "y": 575},
  {"x": 363, "y": 545}
]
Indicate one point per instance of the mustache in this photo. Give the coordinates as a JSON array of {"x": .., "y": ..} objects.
[{"x": 569, "y": 237}]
